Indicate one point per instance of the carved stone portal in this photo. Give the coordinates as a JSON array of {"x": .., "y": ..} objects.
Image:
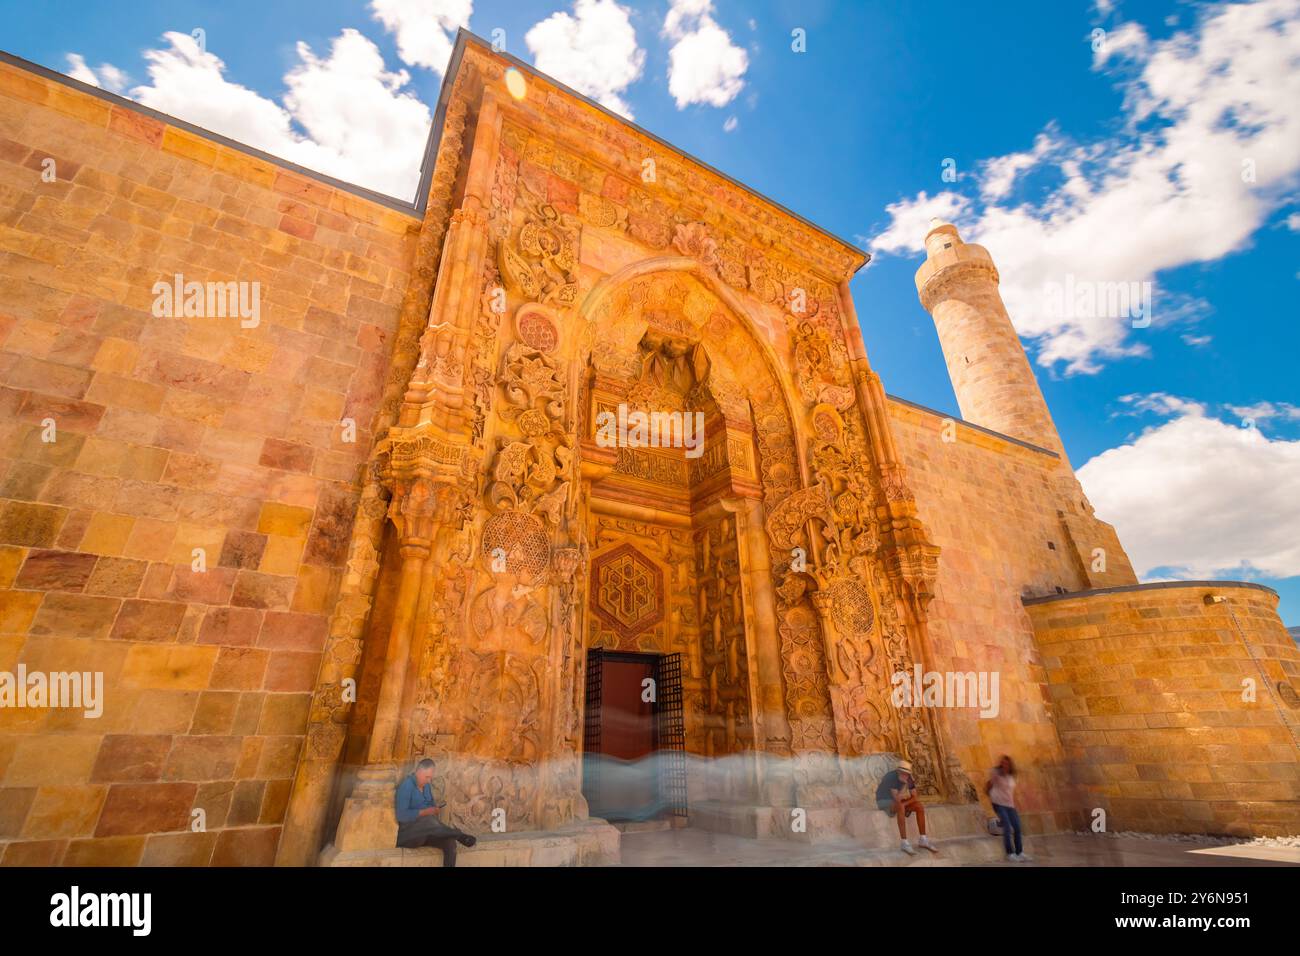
[{"x": 764, "y": 554}]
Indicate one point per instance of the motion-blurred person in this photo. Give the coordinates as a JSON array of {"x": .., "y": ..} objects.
[{"x": 1001, "y": 789}]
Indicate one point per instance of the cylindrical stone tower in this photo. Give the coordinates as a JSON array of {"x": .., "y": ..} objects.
[{"x": 996, "y": 388}]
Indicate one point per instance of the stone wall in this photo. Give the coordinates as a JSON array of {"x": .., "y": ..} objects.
[
  {"x": 990, "y": 505},
  {"x": 1150, "y": 687},
  {"x": 171, "y": 435}
]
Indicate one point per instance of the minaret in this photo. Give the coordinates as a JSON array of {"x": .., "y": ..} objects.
[{"x": 996, "y": 388}]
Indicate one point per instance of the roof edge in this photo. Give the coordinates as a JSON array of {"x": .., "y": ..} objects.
[
  {"x": 979, "y": 428},
  {"x": 465, "y": 37},
  {"x": 414, "y": 207},
  {"x": 1152, "y": 586}
]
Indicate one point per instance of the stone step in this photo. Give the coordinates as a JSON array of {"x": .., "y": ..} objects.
[
  {"x": 956, "y": 851},
  {"x": 691, "y": 847},
  {"x": 642, "y": 826},
  {"x": 589, "y": 843},
  {"x": 867, "y": 826}
]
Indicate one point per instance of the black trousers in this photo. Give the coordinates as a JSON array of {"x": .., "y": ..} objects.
[{"x": 429, "y": 831}]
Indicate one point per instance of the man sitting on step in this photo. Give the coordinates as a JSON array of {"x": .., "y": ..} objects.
[
  {"x": 417, "y": 823},
  {"x": 897, "y": 795}
]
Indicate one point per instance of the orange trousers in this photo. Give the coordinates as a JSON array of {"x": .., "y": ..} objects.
[{"x": 901, "y": 810}]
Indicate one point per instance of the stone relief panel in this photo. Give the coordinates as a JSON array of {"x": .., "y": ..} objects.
[
  {"x": 498, "y": 683},
  {"x": 747, "y": 243},
  {"x": 627, "y": 590},
  {"x": 644, "y": 573},
  {"x": 721, "y": 656},
  {"x": 849, "y": 586}
]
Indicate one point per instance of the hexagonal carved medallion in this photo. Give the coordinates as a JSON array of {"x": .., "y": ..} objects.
[{"x": 627, "y": 590}]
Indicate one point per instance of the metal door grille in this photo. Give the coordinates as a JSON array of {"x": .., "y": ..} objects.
[
  {"x": 591, "y": 724},
  {"x": 671, "y": 732}
]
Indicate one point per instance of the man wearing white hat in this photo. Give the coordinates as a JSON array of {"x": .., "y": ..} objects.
[{"x": 901, "y": 787}]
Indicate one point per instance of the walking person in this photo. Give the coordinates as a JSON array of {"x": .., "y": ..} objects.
[
  {"x": 416, "y": 811},
  {"x": 1001, "y": 790}
]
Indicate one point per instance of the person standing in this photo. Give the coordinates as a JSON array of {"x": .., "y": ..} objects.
[{"x": 1001, "y": 790}]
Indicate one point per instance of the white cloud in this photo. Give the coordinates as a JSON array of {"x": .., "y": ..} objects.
[
  {"x": 998, "y": 175},
  {"x": 1167, "y": 191},
  {"x": 683, "y": 15},
  {"x": 704, "y": 66},
  {"x": 1127, "y": 41},
  {"x": 1202, "y": 497},
  {"x": 730, "y": 124},
  {"x": 1162, "y": 403},
  {"x": 342, "y": 115},
  {"x": 594, "y": 50},
  {"x": 108, "y": 76},
  {"x": 1197, "y": 340},
  {"x": 423, "y": 28},
  {"x": 1292, "y": 222},
  {"x": 1262, "y": 411},
  {"x": 112, "y": 78},
  {"x": 910, "y": 220}
]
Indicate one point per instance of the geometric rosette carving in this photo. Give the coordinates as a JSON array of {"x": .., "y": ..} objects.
[{"x": 627, "y": 590}]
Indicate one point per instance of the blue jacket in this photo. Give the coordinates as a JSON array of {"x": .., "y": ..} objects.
[{"x": 410, "y": 800}]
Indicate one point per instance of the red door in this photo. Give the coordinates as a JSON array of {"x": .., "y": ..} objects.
[{"x": 625, "y": 785}]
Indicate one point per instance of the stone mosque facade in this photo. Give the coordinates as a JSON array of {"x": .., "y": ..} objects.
[{"x": 414, "y": 543}]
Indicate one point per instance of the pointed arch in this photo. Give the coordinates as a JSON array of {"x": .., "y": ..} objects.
[{"x": 606, "y": 288}]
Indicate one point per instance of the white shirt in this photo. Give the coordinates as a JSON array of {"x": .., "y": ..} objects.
[{"x": 1002, "y": 787}]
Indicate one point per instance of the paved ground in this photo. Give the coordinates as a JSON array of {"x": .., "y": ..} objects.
[
  {"x": 1079, "y": 850},
  {"x": 691, "y": 847}
]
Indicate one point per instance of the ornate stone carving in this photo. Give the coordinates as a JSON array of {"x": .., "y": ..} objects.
[
  {"x": 678, "y": 186},
  {"x": 506, "y": 614},
  {"x": 671, "y": 551},
  {"x": 543, "y": 266},
  {"x": 601, "y": 212},
  {"x": 531, "y": 472},
  {"x": 855, "y": 590},
  {"x": 627, "y": 590},
  {"x": 806, "y": 692},
  {"x": 819, "y": 372},
  {"x": 722, "y": 652},
  {"x": 481, "y": 374},
  {"x": 693, "y": 239},
  {"x": 787, "y": 521}
]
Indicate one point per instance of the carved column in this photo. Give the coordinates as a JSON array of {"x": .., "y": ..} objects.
[
  {"x": 823, "y": 602},
  {"x": 910, "y": 558},
  {"x": 415, "y": 548},
  {"x": 773, "y": 724},
  {"x": 331, "y": 708},
  {"x": 428, "y": 495}
]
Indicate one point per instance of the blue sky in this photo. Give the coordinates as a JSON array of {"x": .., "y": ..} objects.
[{"x": 1163, "y": 149}]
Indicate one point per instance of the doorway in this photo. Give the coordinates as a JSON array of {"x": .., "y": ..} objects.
[{"x": 633, "y": 743}]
